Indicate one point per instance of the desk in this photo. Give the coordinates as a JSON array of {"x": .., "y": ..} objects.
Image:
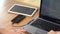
[
  {"x": 5, "y": 17},
  {"x": 31, "y": 2}
]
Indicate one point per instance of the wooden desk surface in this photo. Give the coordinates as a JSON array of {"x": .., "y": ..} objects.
[
  {"x": 5, "y": 17},
  {"x": 32, "y": 2}
]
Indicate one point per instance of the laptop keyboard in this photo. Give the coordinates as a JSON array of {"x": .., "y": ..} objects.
[{"x": 45, "y": 25}]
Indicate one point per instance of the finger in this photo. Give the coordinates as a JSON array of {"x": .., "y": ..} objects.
[
  {"x": 51, "y": 32},
  {"x": 23, "y": 30},
  {"x": 57, "y": 32},
  {"x": 2, "y": 30}
]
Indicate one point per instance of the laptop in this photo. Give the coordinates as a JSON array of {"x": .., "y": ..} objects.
[
  {"x": 48, "y": 19},
  {"x": 22, "y": 10}
]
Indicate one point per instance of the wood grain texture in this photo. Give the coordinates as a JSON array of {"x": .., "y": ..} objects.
[{"x": 5, "y": 17}]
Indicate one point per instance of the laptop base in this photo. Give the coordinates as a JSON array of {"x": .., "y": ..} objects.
[{"x": 39, "y": 26}]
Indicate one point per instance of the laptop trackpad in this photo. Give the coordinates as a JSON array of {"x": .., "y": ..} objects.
[{"x": 34, "y": 30}]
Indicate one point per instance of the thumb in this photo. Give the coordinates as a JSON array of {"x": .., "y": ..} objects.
[{"x": 51, "y": 32}]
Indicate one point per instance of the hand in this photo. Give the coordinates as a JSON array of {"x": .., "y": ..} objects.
[
  {"x": 13, "y": 31},
  {"x": 54, "y": 32}
]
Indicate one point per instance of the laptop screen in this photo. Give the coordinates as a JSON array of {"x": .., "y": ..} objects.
[{"x": 50, "y": 10}]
